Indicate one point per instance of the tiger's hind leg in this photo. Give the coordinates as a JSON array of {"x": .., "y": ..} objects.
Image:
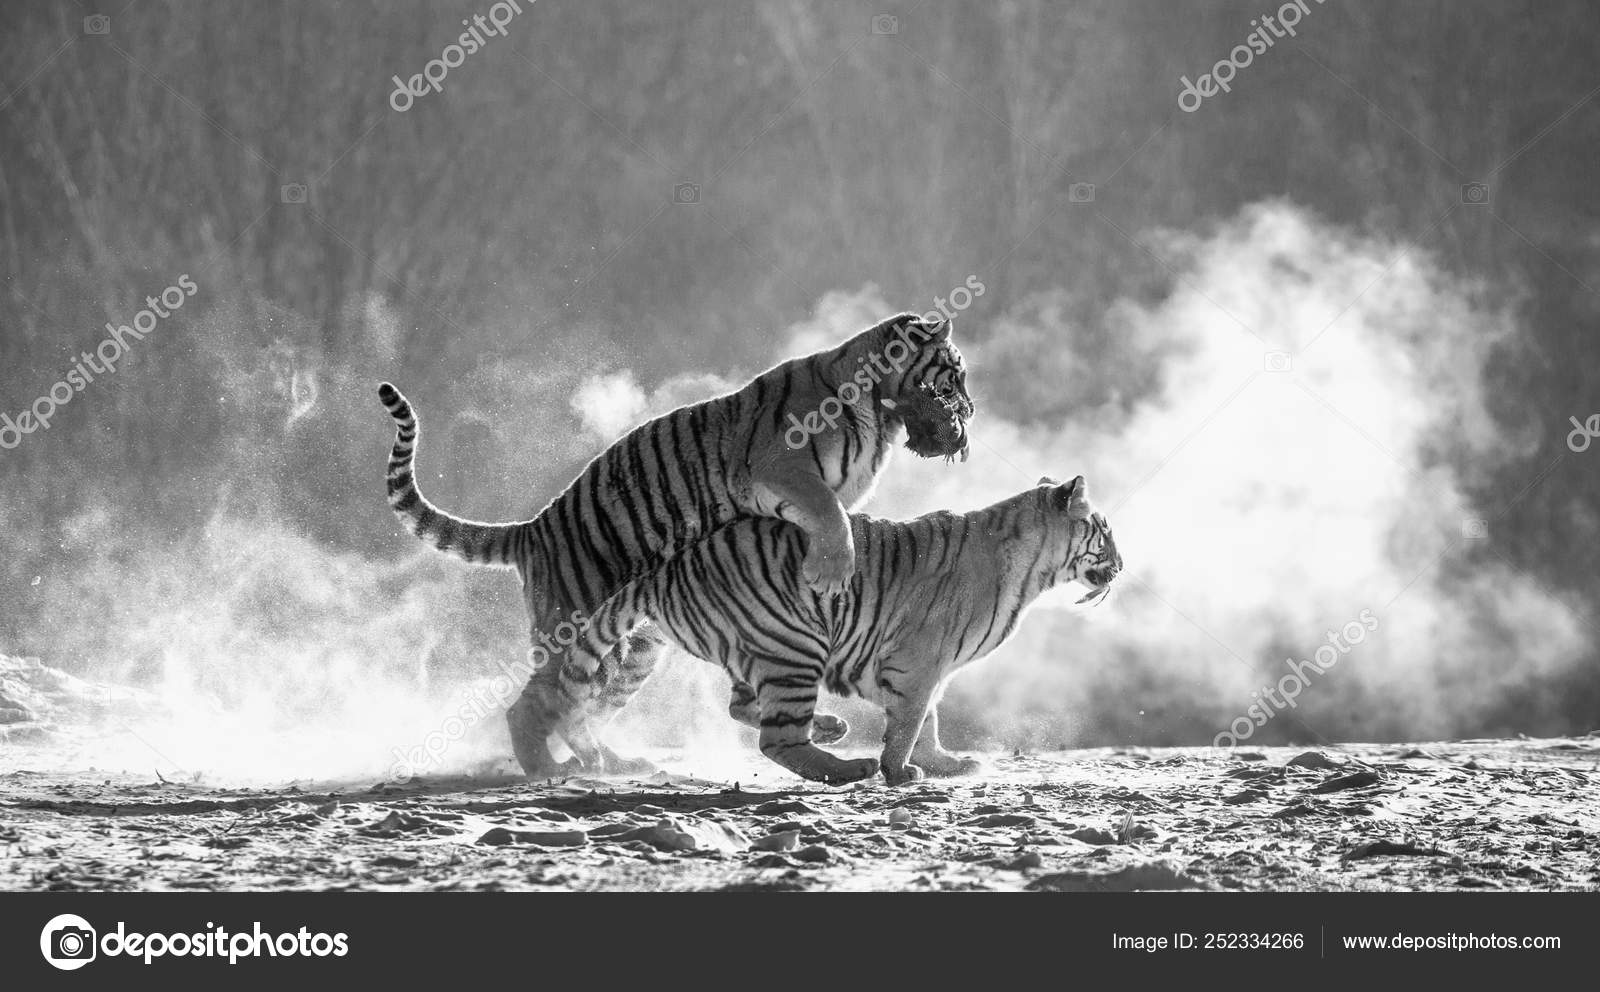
[
  {"x": 825, "y": 728},
  {"x": 532, "y": 718},
  {"x": 787, "y": 706},
  {"x": 560, "y": 687},
  {"x": 547, "y": 701},
  {"x": 620, "y": 675}
]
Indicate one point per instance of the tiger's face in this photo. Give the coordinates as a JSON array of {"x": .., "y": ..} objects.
[
  {"x": 931, "y": 397},
  {"x": 1082, "y": 536}
]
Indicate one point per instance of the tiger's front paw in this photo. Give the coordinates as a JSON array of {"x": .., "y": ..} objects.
[
  {"x": 904, "y": 775},
  {"x": 829, "y": 574},
  {"x": 827, "y": 729}
]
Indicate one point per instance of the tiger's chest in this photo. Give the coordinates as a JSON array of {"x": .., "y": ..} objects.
[{"x": 852, "y": 464}]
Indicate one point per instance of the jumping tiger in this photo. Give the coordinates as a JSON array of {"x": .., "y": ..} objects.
[
  {"x": 679, "y": 476},
  {"x": 929, "y": 596}
]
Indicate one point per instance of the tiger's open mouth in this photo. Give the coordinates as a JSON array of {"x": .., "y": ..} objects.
[
  {"x": 1099, "y": 583},
  {"x": 936, "y": 425}
]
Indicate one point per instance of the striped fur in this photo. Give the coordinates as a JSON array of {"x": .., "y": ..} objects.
[
  {"x": 682, "y": 475},
  {"x": 929, "y": 596}
]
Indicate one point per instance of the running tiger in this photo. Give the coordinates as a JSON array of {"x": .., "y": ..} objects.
[
  {"x": 682, "y": 475},
  {"x": 929, "y": 596}
]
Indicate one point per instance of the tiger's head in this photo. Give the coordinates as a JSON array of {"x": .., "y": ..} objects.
[
  {"x": 928, "y": 390},
  {"x": 1079, "y": 544}
]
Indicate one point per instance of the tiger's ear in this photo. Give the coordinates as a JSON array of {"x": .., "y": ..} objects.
[
  {"x": 938, "y": 331},
  {"x": 1074, "y": 498},
  {"x": 1045, "y": 480}
]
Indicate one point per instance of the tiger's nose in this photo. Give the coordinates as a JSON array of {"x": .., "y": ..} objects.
[{"x": 1101, "y": 576}]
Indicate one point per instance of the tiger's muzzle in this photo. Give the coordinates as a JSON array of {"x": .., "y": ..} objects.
[
  {"x": 1099, "y": 580},
  {"x": 936, "y": 423}
]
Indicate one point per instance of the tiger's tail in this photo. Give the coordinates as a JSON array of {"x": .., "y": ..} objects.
[{"x": 469, "y": 540}]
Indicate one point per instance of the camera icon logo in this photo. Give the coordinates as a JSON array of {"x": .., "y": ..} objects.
[
  {"x": 97, "y": 24},
  {"x": 1476, "y": 193},
  {"x": 1277, "y": 361},
  {"x": 68, "y": 942},
  {"x": 1474, "y": 528},
  {"x": 1080, "y": 193},
  {"x": 885, "y": 24},
  {"x": 686, "y": 193},
  {"x": 293, "y": 192}
]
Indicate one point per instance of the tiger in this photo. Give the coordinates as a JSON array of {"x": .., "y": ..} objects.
[
  {"x": 929, "y": 596},
  {"x": 803, "y": 442}
]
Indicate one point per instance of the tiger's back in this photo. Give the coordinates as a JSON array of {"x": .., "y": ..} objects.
[{"x": 684, "y": 474}]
